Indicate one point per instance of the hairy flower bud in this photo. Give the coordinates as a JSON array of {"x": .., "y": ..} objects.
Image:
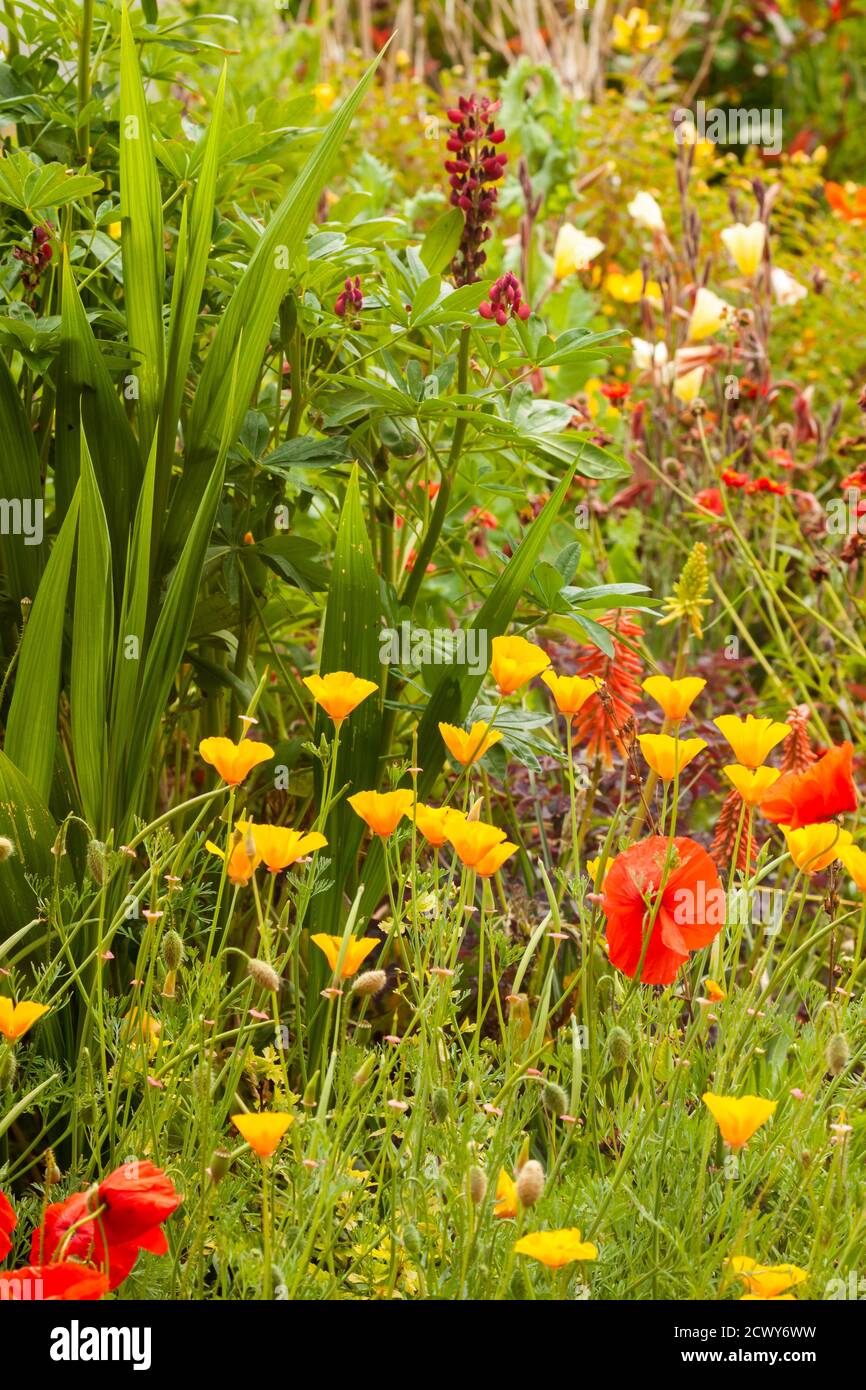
[
  {"x": 476, "y": 1185},
  {"x": 370, "y": 982},
  {"x": 8, "y": 1068},
  {"x": 365, "y": 1071},
  {"x": 96, "y": 860},
  {"x": 837, "y": 1054},
  {"x": 412, "y": 1240},
  {"x": 6, "y": 848},
  {"x": 530, "y": 1183},
  {"x": 439, "y": 1105},
  {"x": 172, "y": 950},
  {"x": 263, "y": 974},
  {"x": 618, "y": 1046},
  {"x": 553, "y": 1098}
]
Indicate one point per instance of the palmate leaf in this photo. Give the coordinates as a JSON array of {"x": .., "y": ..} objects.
[
  {"x": 31, "y": 729},
  {"x": 142, "y": 237},
  {"x": 251, "y": 312}
]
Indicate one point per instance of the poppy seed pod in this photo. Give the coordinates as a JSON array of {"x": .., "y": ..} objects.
[
  {"x": 370, "y": 982},
  {"x": 219, "y": 1166},
  {"x": 530, "y": 1183},
  {"x": 263, "y": 974},
  {"x": 618, "y": 1046},
  {"x": 476, "y": 1184},
  {"x": 554, "y": 1099},
  {"x": 837, "y": 1054}
]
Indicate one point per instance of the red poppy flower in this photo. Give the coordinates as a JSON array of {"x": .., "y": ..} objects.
[
  {"x": 51, "y": 1282},
  {"x": 824, "y": 790},
  {"x": 138, "y": 1196},
  {"x": 87, "y": 1242},
  {"x": 731, "y": 478},
  {"x": 689, "y": 915},
  {"x": 710, "y": 498},
  {"x": 8, "y": 1222}
]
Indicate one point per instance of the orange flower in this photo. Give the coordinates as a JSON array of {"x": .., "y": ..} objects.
[
  {"x": 241, "y": 866},
  {"x": 516, "y": 661},
  {"x": 669, "y": 756},
  {"x": 357, "y": 951},
  {"x": 505, "y": 1205},
  {"x": 714, "y": 991},
  {"x": 570, "y": 692},
  {"x": 430, "y": 820},
  {"x": 824, "y": 790},
  {"x": 472, "y": 839},
  {"x": 339, "y": 693},
  {"x": 751, "y": 739},
  {"x": 278, "y": 847},
  {"x": 849, "y": 202},
  {"x": 676, "y": 697},
  {"x": 738, "y": 1117},
  {"x": 766, "y": 1281},
  {"x": 816, "y": 847},
  {"x": 16, "y": 1019},
  {"x": 382, "y": 811},
  {"x": 556, "y": 1248},
  {"x": 234, "y": 761},
  {"x": 262, "y": 1132},
  {"x": 469, "y": 748},
  {"x": 493, "y": 860},
  {"x": 751, "y": 783}
]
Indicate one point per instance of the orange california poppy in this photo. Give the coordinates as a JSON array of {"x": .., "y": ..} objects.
[
  {"x": 241, "y": 865},
  {"x": 824, "y": 790},
  {"x": 472, "y": 839},
  {"x": 556, "y": 1248},
  {"x": 849, "y": 202},
  {"x": 506, "y": 1204},
  {"x": 570, "y": 692},
  {"x": 262, "y": 1132},
  {"x": 339, "y": 693},
  {"x": 766, "y": 1281},
  {"x": 16, "y": 1019},
  {"x": 234, "y": 761},
  {"x": 469, "y": 747},
  {"x": 738, "y": 1117},
  {"x": 278, "y": 847},
  {"x": 492, "y": 861},
  {"x": 689, "y": 916},
  {"x": 430, "y": 820},
  {"x": 515, "y": 661},
  {"x": 357, "y": 951},
  {"x": 814, "y": 848},
  {"x": 382, "y": 811}
]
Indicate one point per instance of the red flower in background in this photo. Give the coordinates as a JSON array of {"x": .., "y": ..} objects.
[
  {"x": 475, "y": 169},
  {"x": 138, "y": 1196},
  {"x": 710, "y": 498},
  {"x": 600, "y": 723},
  {"x": 824, "y": 790},
  {"x": 8, "y": 1222},
  {"x": 64, "y": 1280},
  {"x": 689, "y": 915}
]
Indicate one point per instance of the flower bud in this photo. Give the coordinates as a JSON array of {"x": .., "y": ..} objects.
[
  {"x": 53, "y": 1174},
  {"x": 530, "y": 1183},
  {"x": 8, "y": 1068},
  {"x": 6, "y": 848},
  {"x": 412, "y": 1240},
  {"x": 263, "y": 974},
  {"x": 312, "y": 1087},
  {"x": 838, "y": 1054},
  {"x": 172, "y": 950},
  {"x": 96, "y": 860},
  {"x": 476, "y": 1185},
  {"x": 439, "y": 1105},
  {"x": 219, "y": 1166},
  {"x": 618, "y": 1046},
  {"x": 554, "y": 1099},
  {"x": 365, "y": 1071},
  {"x": 370, "y": 982}
]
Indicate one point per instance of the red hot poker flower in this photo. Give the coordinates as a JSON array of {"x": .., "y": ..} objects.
[
  {"x": 824, "y": 790},
  {"x": 689, "y": 915}
]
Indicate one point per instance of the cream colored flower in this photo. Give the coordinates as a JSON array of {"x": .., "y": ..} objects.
[
  {"x": 710, "y": 313},
  {"x": 645, "y": 211},
  {"x": 574, "y": 250},
  {"x": 745, "y": 245},
  {"x": 786, "y": 290}
]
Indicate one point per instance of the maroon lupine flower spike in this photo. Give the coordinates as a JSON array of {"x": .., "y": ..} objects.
[
  {"x": 350, "y": 297},
  {"x": 36, "y": 258},
  {"x": 473, "y": 172},
  {"x": 505, "y": 301}
]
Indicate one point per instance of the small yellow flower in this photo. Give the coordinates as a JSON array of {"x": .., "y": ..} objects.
[
  {"x": 714, "y": 991},
  {"x": 687, "y": 387},
  {"x": 357, "y": 951},
  {"x": 234, "y": 761},
  {"x": 751, "y": 739},
  {"x": 556, "y": 1248},
  {"x": 339, "y": 693},
  {"x": 325, "y": 96},
  {"x": 816, "y": 847},
  {"x": 278, "y": 847},
  {"x": 738, "y": 1117},
  {"x": 709, "y": 314},
  {"x": 592, "y": 867},
  {"x": 17, "y": 1019},
  {"x": 745, "y": 245},
  {"x": 635, "y": 31},
  {"x": 139, "y": 1027},
  {"x": 430, "y": 820},
  {"x": 570, "y": 692},
  {"x": 469, "y": 747},
  {"x": 766, "y": 1281},
  {"x": 854, "y": 861},
  {"x": 114, "y": 230},
  {"x": 669, "y": 756},
  {"x": 751, "y": 783},
  {"x": 262, "y": 1132},
  {"x": 515, "y": 661},
  {"x": 506, "y": 1204},
  {"x": 573, "y": 251},
  {"x": 630, "y": 289},
  {"x": 382, "y": 811},
  {"x": 675, "y": 697}
]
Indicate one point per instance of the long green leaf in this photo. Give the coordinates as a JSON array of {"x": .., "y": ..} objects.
[
  {"x": 251, "y": 313},
  {"x": 27, "y": 822},
  {"x": 92, "y": 644},
  {"x": 142, "y": 238},
  {"x": 19, "y": 480},
  {"x": 31, "y": 729}
]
